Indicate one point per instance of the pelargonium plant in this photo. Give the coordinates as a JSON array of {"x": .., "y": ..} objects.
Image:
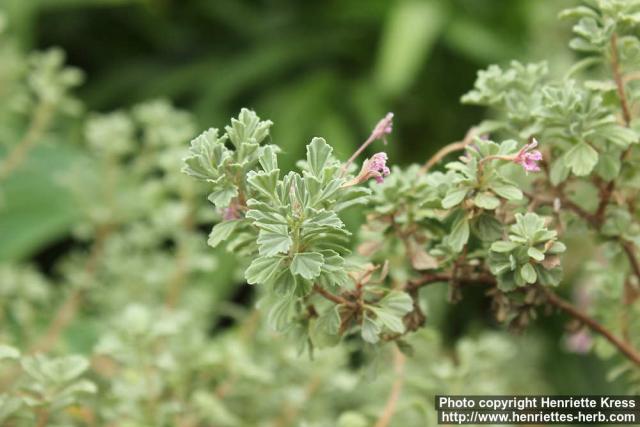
[
  {"x": 119, "y": 331},
  {"x": 557, "y": 165}
]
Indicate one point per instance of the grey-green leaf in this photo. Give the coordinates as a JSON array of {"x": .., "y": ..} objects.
[
  {"x": 528, "y": 273},
  {"x": 264, "y": 182},
  {"x": 370, "y": 330},
  {"x": 487, "y": 201},
  {"x": 262, "y": 269},
  {"x": 503, "y": 246},
  {"x": 507, "y": 191},
  {"x": 318, "y": 153},
  {"x": 454, "y": 197},
  {"x": 581, "y": 159},
  {"x": 307, "y": 264},
  {"x": 459, "y": 233},
  {"x": 221, "y": 232},
  {"x": 273, "y": 239},
  {"x": 535, "y": 254}
]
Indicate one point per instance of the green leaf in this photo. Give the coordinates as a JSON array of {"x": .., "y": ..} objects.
[
  {"x": 261, "y": 215},
  {"x": 609, "y": 164},
  {"x": 222, "y": 197},
  {"x": 535, "y": 254},
  {"x": 454, "y": 197},
  {"x": 528, "y": 273},
  {"x": 323, "y": 330},
  {"x": 248, "y": 128},
  {"x": 506, "y": 191},
  {"x": 262, "y": 269},
  {"x": 392, "y": 308},
  {"x": 487, "y": 227},
  {"x": 487, "y": 201},
  {"x": 273, "y": 239},
  {"x": 502, "y": 246},
  {"x": 397, "y": 303},
  {"x": 370, "y": 329},
  {"x": 264, "y": 182},
  {"x": 351, "y": 196},
  {"x": 307, "y": 264},
  {"x": 284, "y": 283},
  {"x": 281, "y": 313},
  {"x": 318, "y": 154},
  {"x": 207, "y": 156},
  {"x": 549, "y": 277},
  {"x": 559, "y": 172},
  {"x": 621, "y": 136},
  {"x": 333, "y": 271},
  {"x": 322, "y": 219},
  {"x": 459, "y": 232},
  {"x": 268, "y": 158},
  {"x": 557, "y": 248},
  {"x": 581, "y": 159},
  {"x": 330, "y": 320},
  {"x": 389, "y": 320},
  {"x": 221, "y": 232}
]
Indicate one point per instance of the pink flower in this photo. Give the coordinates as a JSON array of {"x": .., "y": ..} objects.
[
  {"x": 377, "y": 167},
  {"x": 374, "y": 167},
  {"x": 383, "y": 128},
  {"x": 528, "y": 157}
]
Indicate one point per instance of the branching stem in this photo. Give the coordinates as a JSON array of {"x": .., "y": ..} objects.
[
  {"x": 626, "y": 349},
  {"x": 485, "y": 279},
  {"x": 337, "y": 299},
  {"x": 617, "y": 77},
  {"x": 448, "y": 149}
]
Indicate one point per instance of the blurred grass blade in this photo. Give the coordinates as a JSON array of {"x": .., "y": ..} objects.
[
  {"x": 476, "y": 41},
  {"x": 411, "y": 30},
  {"x": 35, "y": 209}
]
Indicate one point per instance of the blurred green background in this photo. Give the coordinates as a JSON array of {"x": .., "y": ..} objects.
[
  {"x": 328, "y": 68},
  {"x": 316, "y": 68}
]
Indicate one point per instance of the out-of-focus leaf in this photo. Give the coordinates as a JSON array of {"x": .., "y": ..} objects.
[
  {"x": 411, "y": 29},
  {"x": 35, "y": 209},
  {"x": 477, "y": 41}
]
